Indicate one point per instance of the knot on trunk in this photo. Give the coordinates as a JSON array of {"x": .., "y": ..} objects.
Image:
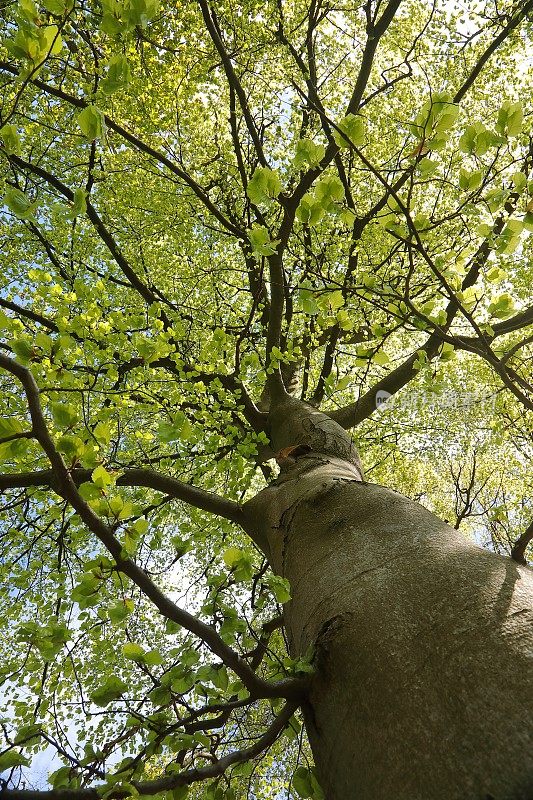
[{"x": 294, "y": 425}]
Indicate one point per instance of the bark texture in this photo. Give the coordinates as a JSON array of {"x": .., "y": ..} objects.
[{"x": 423, "y": 642}]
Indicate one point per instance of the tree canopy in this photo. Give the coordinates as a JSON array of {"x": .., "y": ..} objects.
[{"x": 203, "y": 202}]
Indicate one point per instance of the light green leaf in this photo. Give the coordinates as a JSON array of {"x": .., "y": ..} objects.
[
  {"x": 12, "y": 758},
  {"x": 502, "y": 306},
  {"x": 56, "y": 7},
  {"x": 510, "y": 119},
  {"x": 23, "y": 349},
  {"x": 469, "y": 181},
  {"x": 101, "y": 477},
  {"x": 120, "y": 610},
  {"x": 118, "y": 75},
  {"x": 261, "y": 242},
  {"x": 232, "y": 556},
  {"x": 308, "y": 302},
  {"x": 264, "y": 185},
  {"x": 310, "y": 210},
  {"x": 91, "y": 123},
  {"x": 52, "y": 43},
  {"x": 64, "y": 416},
  {"x": 380, "y": 358},
  {"x": 496, "y": 275},
  {"x": 309, "y": 153},
  {"x": 133, "y": 651},
  {"x": 427, "y": 167},
  {"x": 329, "y": 190},
  {"x": 10, "y": 139},
  {"x": 79, "y": 203},
  {"x": 19, "y": 203},
  {"x": 353, "y": 126},
  {"x": 10, "y": 426},
  {"x": 280, "y": 588},
  {"x": 112, "y": 689}
]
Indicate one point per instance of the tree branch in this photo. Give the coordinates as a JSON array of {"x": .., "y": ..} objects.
[
  {"x": 491, "y": 49},
  {"x": 149, "y": 478},
  {"x": 168, "y": 782},
  {"x": 136, "y": 283},
  {"x": 518, "y": 552},
  {"x": 66, "y": 487},
  {"x": 233, "y": 81},
  {"x": 139, "y": 144}
]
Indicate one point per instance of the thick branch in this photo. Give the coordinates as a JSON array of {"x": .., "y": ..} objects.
[
  {"x": 152, "y": 479},
  {"x": 520, "y": 546}
]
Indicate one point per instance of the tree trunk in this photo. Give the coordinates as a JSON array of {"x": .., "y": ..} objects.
[{"x": 422, "y": 641}]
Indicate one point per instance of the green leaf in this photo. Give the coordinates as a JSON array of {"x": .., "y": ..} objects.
[
  {"x": 469, "y": 181},
  {"x": 502, "y": 306},
  {"x": 133, "y": 651},
  {"x": 101, "y": 477},
  {"x": 28, "y": 733},
  {"x": 434, "y": 120},
  {"x": 334, "y": 299},
  {"x": 102, "y": 432},
  {"x": 353, "y": 126},
  {"x": 308, "y": 302},
  {"x": 12, "y": 758},
  {"x": 55, "y": 7},
  {"x": 496, "y": 275},
  {"x": 29, "y": 10},
  {"x": 329, "y": 191},
  {"x": 140, "y": 12},
  {"x": 88, "y": 491},
  {"x": 527, "y": 221},
  {"x": 484, "y": 230},
  {"x": 64, "y": 416},
  {"x": 51, "y": 41},
  {"x": 232, "y": 556},
  {"x": 264, "y": 185},
  {"x": 19, "y": 203},
  {"x": 239, "y": 562},
  {"x": 310, "y": 210},
  {"x": 280, "y": 588},
  {"x": 120, "y": 610},
  {"x": 510, "y": 119},
  {"x": 261, "y": 242},
  {"x": 380, "y": 358},
  {"x": 118, "y": 75},
  {"x": 11, "y": 140},
  {"x": 180, "y": 793},
  {"x": 91, "y": 123},
  {"x": 140, "y": 526},
  {"x": 71, "y": 446},
  {"x": 23, "y": 349},
  {"x": 112, "y": 689},
  {"x": 152, "y": 658},
  {"x": 308, "y": 153},
  {"x": 301, "y": 781},
  {"x": 427, "y": 167},
  {"x": 10, "y": 426},
  {"x": 79, "y": 203}
]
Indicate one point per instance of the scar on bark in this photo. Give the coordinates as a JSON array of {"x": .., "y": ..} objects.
[{"x": 329, "y": 630}]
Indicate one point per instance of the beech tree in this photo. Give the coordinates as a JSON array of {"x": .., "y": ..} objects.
[{"x": 242, "y": 243}]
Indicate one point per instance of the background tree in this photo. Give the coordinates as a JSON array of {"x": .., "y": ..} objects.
[{"x": 219, "y": 218}]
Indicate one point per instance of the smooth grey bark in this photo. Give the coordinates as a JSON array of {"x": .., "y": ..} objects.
[{"x": 423, "y": 642}]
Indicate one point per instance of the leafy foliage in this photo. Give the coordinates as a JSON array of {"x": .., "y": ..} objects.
[{"x": 197, "y": 196}]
